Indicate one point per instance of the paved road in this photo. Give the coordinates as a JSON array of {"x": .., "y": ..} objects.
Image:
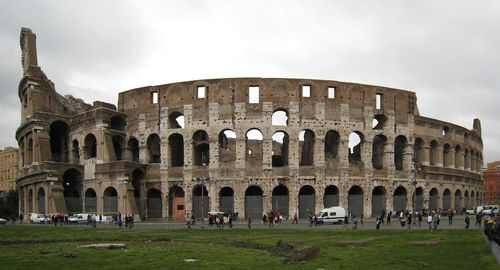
[{"x": 369, "y": 224}]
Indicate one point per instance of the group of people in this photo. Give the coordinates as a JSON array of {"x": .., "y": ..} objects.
[
  {"x": 129, "y": 221},
  {"x": 273, "y": 218}
]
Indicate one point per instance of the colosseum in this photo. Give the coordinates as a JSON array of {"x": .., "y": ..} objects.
[{"x": 246, "y": 145}]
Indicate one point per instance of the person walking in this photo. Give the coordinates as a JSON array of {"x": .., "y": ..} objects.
[
  {"x": 295, "y": 219},
  {"x": 429, "y": 221},
  {"x": 249, "y": 222},
  {"x": 467, "y": 221}
]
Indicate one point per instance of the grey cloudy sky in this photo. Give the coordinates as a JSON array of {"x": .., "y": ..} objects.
[{"x": 445, "y": 51}]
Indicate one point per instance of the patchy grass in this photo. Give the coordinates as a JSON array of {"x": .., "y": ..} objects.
[{"x": 56, "y": 248}]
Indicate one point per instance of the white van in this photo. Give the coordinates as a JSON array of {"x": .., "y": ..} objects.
[
  {"x": 38, "y": 218},
  {"x": 334, "y": 214},
  {"x": 488, "y": 209},
  {"x": 78, "y": 218}
]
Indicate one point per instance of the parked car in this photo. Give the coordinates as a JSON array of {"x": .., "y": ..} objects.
[
  {"x": 470, "y": 211},
  {"x": 3, "y": 221},
  {"x": 38, "y": 218},
  {"x": 78, "y": 218}
]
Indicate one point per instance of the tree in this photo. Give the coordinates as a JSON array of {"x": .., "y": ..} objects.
[{"x": 9, "y": 205}]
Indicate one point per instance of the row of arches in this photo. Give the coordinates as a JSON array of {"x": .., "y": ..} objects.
[{"x": 447, "y": 156}]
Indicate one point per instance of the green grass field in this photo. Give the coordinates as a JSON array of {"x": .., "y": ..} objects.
[{"x": 46, "y": 247}]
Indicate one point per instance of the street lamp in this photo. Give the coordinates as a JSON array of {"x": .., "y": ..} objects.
[{"x": 202, "y": 180}]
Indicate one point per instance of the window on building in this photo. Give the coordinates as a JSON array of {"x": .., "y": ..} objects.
[
  {"x": 331, "y": 92},
  {"x": 253, "y": 94},
  {"x": 378, "y": 105},
  {"x": 154, "y": 97},
  {"x": 306, "y": 91},
  {"x": 201, "y": 91}
]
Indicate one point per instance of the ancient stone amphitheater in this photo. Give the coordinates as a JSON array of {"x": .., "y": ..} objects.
[{"x": 246, "y": 145}]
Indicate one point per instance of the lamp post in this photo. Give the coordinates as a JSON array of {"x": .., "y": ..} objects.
[{"x": 202, "y": 180}]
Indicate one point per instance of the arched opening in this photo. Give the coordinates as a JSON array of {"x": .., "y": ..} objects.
[
  {"x": 458, "y": 199},
  {"x": 466, "y": 199},
  {"x": 280, "y": 200},
  {"x": 446, "y": 199},
  {"x": 433, "y": 199},
  {"x": 280, "y": 149},
  {"x": 399, "y": 148},
  {"x": 200, "y": 203},
  {"x": 379, "y": 121},
  {"x": 90, "y": 148},
  {"x": 446, "y": 155},
  {"x": 419, "y": 199},
  {"x": 30, "y": 201},
  {"x": 29, "y": 152},
  {"x": 433, "y": 156},
  {"x": 226, "y": 200},
  {"x": 41, "y": 201},
  {"x": 201, "y": 148},
  {"x": 59, "y": 140},
  {"x": 331, "y": 197},
  {"x": 176, "y": 145},
  {"x": 133, "y": 149},
  {"x": 117, "y": 146},
  {"x": 227, "y": 147},
  {"x": 90, "y": 201},
  {"x": 253, "y": 202},
  {"x": 332, "y": 143},
  {"x": 154, "y": 152},
  {"x": 76, "y": 152},
  {"x": 355, "y": 144},
  {"x": 472, "y": 199},
  {"x": 355, "y": 200},
  {"x": 459, "y": 158},
  {"x": 110, "y": 199},
  {"x": 154, "y": 203},
  {"x": 280, "y": 118},
  {"x": 307, "y": 201},
  {"x": 379, "y": 198},
  {"x": 419, "y": 152},
  {"x": 306, "y": 144},
  {"x": 176, "y": 120},
  {"x": 400, "y": 197},
  {"x": 177, "y": 209},
  {"x": 138, "y": 182},
  {"x": 73, "y": 189},
  {"x": 378, "y": 151},
  {"x": 253, "y": 144},
  {"x": 118, "y": 123}
]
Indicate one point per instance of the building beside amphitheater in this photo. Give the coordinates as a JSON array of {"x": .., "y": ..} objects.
[{"x": 245, "y": 145}]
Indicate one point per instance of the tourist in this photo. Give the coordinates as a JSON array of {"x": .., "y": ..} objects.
[
  {"x": 378, "y": 221},
  {"x": 429, "y": 221},
  {"x": 467, "y": 221},
  {"x": 249, "y": 222}
]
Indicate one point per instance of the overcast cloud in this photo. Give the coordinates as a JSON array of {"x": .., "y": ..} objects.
[{"x": 445, "y": 51}]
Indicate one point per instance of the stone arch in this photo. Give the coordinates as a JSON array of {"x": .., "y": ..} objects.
[
  {"x": 459, "y": 157},
  {"x": 177, "y": 210},
  {"x": 378, "y": 152},
  {"x": 90, "y": 146},
  {"x": 201, "y": 148},
  {"x": 419, "y": 152},
  {"x": 400, "y": 144},
  {"x": 226, "y": 200},
  {"x": 227, "y": 147},
  {"x": 176, "y": 147},
  {"x": 331, "y": 197},
  {"x": 355, "y": 200},
  {"x": 154, "y": 203},
  {"x": 379, "y": 198},
  {"x": 419, "y": 199},
  {"x": 30, "y": 201},
  {"x": 280, "y": 117},
  {"x": 280, "y": 200},
  {"x": 41, "y": 200},
  {"x": 253, "y": 202},
  {"x": 458, "y": 199},
  {"x": 118, "y": 147},
  {"x": 356, "y": 140},
  {"x": 153, "y": 146},
  {"x": 200, "y": 201},
  {"x": 139, "y": 185},
  {"x": 110, "y": 198},
  {"x": 176, "y": 120},
  {"x": 472, "y": 199},
  {"x": 281, "y": 142},
  {"x": 307, "y": 202},
  {"x": 434, "y": 155},
  {"x": 118, "y": 123},
  {"x": 379, "y": 121},
  {"x": 73, "y": 188},
  {"x": 253, "y": 151},
  {"x": 75, "y": 151},
  {"x": 306, "y": 147},
  {"x": 433, "y": 199},
  {"x": 90, "y": 201},
  {"x": 59, "y": 140},
  {"x": 133, "y": 149},
  {"x": 466, "y": 200},
  {"x": 400, "y": 199},
  {"x": 446, "y": 199},
  {"x": 332, "y": 143},
  {"x": 447, "y": 155}
]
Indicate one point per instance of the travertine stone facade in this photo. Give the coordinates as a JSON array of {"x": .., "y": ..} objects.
[
  {"x": 245, "y": 145},
  {"x": 9, "y": 168}
]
